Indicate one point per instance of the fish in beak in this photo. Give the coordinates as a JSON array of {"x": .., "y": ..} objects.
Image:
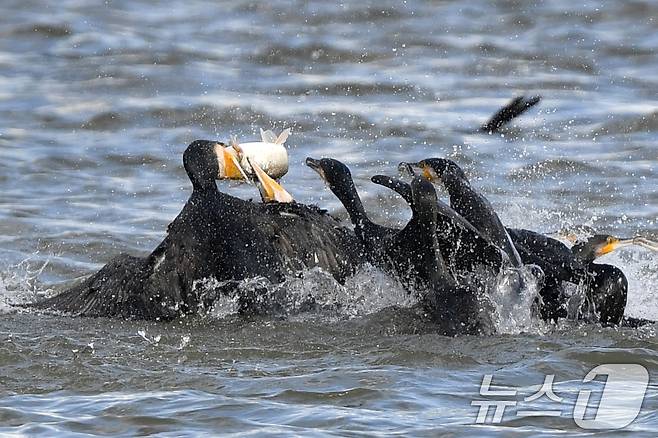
[{"x": 270, "y": 154}]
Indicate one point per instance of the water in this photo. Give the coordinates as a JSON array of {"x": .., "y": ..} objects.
[{"x": 97, "y": 103}]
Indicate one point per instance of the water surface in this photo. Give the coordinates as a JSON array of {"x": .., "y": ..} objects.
[{"x": 98, "y": 102}]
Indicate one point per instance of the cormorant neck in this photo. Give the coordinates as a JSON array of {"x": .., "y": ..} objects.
[
  {"x": 454, "y": 184},
  {"x": 584, "y": 253},
  {"x": 423, "y": 226},
  {"x": 351, "y": 200},
  {"x": 204, "y": 185},
  {"x": 421, "y": 230}
]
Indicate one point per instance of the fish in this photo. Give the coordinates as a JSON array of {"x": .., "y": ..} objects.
[{"x": 269, "y": 155}]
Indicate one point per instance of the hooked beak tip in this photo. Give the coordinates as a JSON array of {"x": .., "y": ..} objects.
[
  {"x": 310, "y": 162},
  {"x": 407, "y": 168}
]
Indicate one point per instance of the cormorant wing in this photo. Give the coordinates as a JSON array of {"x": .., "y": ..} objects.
[
  {"x": 548, "y": 253},
  {"x": 119, "y": 289},
  {"x": 513, "y": 109}
]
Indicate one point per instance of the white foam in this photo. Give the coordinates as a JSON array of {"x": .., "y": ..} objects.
[
  {"x": 638, "y": 264},
  {"x": 20, "y": 283},
  {"x": 313, "y": 292},
  {"x": 513, "y": 296},
  {"x": 641, "y": 269}
]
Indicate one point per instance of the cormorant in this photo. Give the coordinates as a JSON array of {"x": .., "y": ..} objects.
[
  {"x": 468, "y": 202},
  {"x": 462, "y": 246},
  {"x": 215, "y": 236},
  {"x": 413, "y": 253},
  {"x": 606, "y": 286},
  {"x": 558, "y": 264}
]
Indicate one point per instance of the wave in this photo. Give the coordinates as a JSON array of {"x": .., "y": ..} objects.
[
  {"x": 278, "y": 54},
  {"x": 45, "y": 30},
  {"x": 640, "y": 123},
  {"x": 553, "y": 167}
]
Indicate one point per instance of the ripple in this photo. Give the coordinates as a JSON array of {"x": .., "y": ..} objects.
[
  {"x": 641, "y": 123},
  {"x": 551, "y": 168},
  {"x": 104, "y": 121},
  {"x": 97, "y": 104},
  {"x": 284, "y": 55},
  {"x": 360, "y": 89},
  {"x": 46, "y": 30}
]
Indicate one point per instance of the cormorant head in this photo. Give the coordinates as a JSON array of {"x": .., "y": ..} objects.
[
  {"x": 202, "y": 163},
  {"x": 441, "y": 168},
  {"x": 597, "y": 246},
  {"x": 435, "y": 169},
  {"x": 334, "y": 173},
  {"x": 398, "y": 186}
]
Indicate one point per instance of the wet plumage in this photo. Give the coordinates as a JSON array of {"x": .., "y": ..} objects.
[
  {"x": 214, "y": 236},
  {"x": 413, "y": 253}
]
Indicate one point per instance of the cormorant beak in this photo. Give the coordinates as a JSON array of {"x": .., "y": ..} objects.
[
  {"x": 315, "y": 165},
  {"x": 611, "y": 244},
  {"x": 270, "y": 190},
  {"x": 429, "y": 173},
  {"x": 229, "y": 164}
]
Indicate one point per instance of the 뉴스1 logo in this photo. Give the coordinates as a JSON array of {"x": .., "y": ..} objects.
[{"x": 618, "y": 405}]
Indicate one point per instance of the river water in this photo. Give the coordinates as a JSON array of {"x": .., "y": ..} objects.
[{"x": 99, "y": 100}]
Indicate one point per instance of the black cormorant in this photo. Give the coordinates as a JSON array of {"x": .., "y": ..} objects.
[
  {"x": 462, "y": 246},
  {"x": 215, "y": 236},
  {"x": 606, "y": 286},
  {"x": 413, "y": 253},
  {"x": 468, "y": 202}
]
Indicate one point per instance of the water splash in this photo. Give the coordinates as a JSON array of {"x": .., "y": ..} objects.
[
  {"x": 640, "y": 268},
  {"x": 315, "y": 293},
  {"x": 513, "y": 296},
  {"x": 20, "y": 283},
  {"x": 312, "y": 292}
]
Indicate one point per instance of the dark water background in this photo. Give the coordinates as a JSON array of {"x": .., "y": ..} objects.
[{"x": 98, "y": 101}]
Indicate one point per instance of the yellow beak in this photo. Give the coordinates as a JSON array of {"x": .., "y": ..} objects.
[
  {"x": 270, "y": 190},
  {"x": 605, "y": 249},
  {"x": 229, "y": 163},
  {"x": 612, "y": 244},
  {"x": 429, "y": 173}
]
